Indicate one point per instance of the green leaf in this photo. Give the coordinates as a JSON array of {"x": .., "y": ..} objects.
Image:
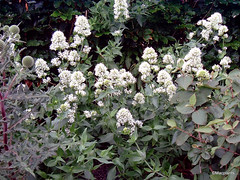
[
  {"x": 226, "y": 158},
  {"x": 41, "y": 173},
  {"x": 233, "y": 174},
  {"x": 106, "y": 138},
  {"x": 51, "y": 163},
  {"x": 181, "y": 139},
  {"x": 112, "y": 174},
  {"x": 216, "y": 121},
  {"x": 227, "y": 114},
  {"x": 199, "y": 117},
  {"x": 193, "y": 100},
  {"x": 227, "y": 127},
  {"x": 204, "y": 129},
  {"x": 146, "y": 138},
  {"x": 184, "y": 108},
  {"x": 134, "y": 137},
  {"x": 66, "y": 169},
  {"x": 234, "y": 138},
  {"x": 216, "y": 177},
  {"x": 149, "y": 176},
  {"x": 236, "y": 162},
  {"x": 184, "y": 81},
  {"x": 171, "y": 123},
  {"x": 84, "y": 136},
  {"x": 158, "y": 127}
]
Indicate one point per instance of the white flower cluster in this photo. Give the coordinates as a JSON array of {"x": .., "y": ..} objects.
[
  {"x": 58, "y": 41},
  {"x": 202, "y": 74},
  {"x": 40, "y": 68},
  {"x": 168, "y": 59},
  {"x": 138, "y": 99},
  {"x": 89, "y": 114},
  {"x": 69, "y": 107},
  {"x": 72, "y": 56},
  {"x": 166, "y": 84},
  {"x": 77, "y": 40},
  {"x": 216, "y": 68},
  {"x": 56, "y": 62},
  {"x": 124, "y": 118},
  {"x": 73, "y": 80},
  {"x": 114, "y": 79},
  {"x": 145, "y": 67},
  {"x": 150, "y": 55},
  {"x": 82, "y": 26},
  {"x": 120, "y": 9},
  {"x": 192, "y": 61},
  {"x": 225, "y": 62},
  {"x": 213, "y": 23}
]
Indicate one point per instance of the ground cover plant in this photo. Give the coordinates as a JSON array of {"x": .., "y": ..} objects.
[{"x": 96, "y": 111}]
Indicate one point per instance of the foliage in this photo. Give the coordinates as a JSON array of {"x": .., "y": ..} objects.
[{"x": 101, "y": 96}]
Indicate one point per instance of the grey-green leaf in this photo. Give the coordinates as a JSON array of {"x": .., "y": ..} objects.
[
  {"x": 200, "y": 117},
  {"x": 184, "y": 81}
]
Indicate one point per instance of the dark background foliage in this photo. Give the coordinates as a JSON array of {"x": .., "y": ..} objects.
[{"x": 157, "y": 23}]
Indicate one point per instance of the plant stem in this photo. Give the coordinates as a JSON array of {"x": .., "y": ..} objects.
[
  {"x": 5, "y": 140},
  {"x": 158, "y": 173}
]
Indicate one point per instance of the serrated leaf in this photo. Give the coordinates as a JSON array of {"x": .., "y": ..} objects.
[
  {"x": 184, "y": 81},
  {"x": 204, "y": 129},
  {"x": 171, "y": 123},
  {"x": 199, "y": 117},
  {"x": 193, "y": 100}
]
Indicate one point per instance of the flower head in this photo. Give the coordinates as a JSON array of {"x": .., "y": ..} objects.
[{"x": 58, "y": 41}]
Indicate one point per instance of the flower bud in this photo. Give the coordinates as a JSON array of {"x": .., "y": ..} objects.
[
  {"x": 5, "y": 28},
  {"x": 27, "y": 61},
  {"x": 17, "y": 36},
  {"x": 2, "y": 45},
  {"x": 14, "y": 29}
]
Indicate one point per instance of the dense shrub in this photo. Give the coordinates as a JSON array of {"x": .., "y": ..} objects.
[{"x": 101, "y": 99}]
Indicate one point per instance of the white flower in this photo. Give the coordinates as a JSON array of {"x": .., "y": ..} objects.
[
  {"x": 47, "y": 80},
  {"x": 222, "y": 29},
  {"x": 191, "y": 34},
  {"x": 56, "y": 62},
  {"x": 145, "y": 68},
  {"x": 82, "y": 26},
  {"x": 76, "y": 82},
  {"x": 100, "y": 104},
  {"x": 171, "y": 90},
  {"x": 206, "y": 33},
  {"x": 216, "y": 38},
  {"x": 86, "y": 49},
  {"x": 225, "y": 61},
  {"x": 225, "y": 36},
  {"x": 40, "y": 67},
  {"x": 117, "y": 33},
  {"x": 58, "y": 41},
  {"x": 77, "y": 40},
  {"x": 73, "y": 57},
  {"x": 120, "y": 9},
  {"x": 215, "y": 19},
  {"x": 65, "y": 79},
  {"x": 203, "y": 74},
  {"x": 155, "y": 68},
  {"x": 216, "y": 68},
  {"x": 169, "y": 67},
  {"x": 101, "y": 70},
  {"x": 150, "y": 55},
  {"x": 139, "y": 98},
  {"x": 167, "y": 59},
  {"x": 87, "y": 114},
  {"x": 163, "y": 77},
  {"x": 127, "y": 78}
]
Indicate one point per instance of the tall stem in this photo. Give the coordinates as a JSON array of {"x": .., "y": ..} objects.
[{"x": 5, "y": 140}]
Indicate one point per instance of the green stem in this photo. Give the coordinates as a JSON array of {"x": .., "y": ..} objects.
[{"x": 158, "y": 173}]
